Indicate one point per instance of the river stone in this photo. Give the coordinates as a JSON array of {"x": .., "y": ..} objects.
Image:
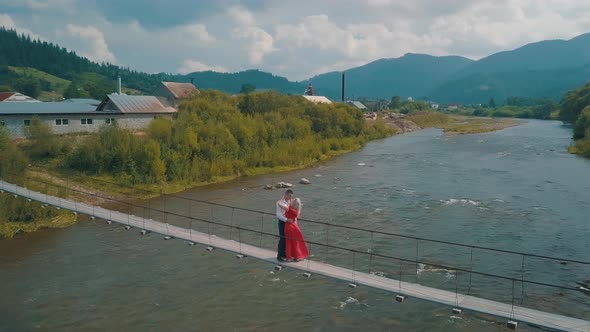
[{"x": 304, "y": 181}]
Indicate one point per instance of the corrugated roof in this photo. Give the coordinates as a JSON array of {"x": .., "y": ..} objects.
[
  {"x": 318, "y": 99},
  {"x": 180, "y": 90},
  {"x": 5, "y": 95},
  {"x": 82, "y": 101},
  {"x": 16, "y": 97},
  {"x": 136, "y": 104},
  {"x": 357, "y": 104},
  {"x": 14, "y": 108}
]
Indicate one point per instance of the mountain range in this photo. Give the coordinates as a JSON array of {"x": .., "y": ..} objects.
[
  {"x": 543, "y": 69},
  {"x": 547, "y": 68}
]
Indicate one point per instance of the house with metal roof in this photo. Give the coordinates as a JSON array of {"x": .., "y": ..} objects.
[
  {"x": 317, "y": 99},
  {"x": 171, "y": 93},
  {"x": 357, "y": 104},
  {"x": 16, "y": 97},
  {"x": 310, "y": 95},
  {"x": 82, "y": 100},
  {"x": 132, "y": 112}
]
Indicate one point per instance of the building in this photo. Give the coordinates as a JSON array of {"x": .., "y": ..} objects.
[
  {"x": 16, "y": 97},
  {"x": 318, "y": 99},
  {"x": 357, "y": 104},
  {"x": 132, "y": 112},
  {"x": 309, "y": 94},
  {"x": 171, "y": 93},
  {"x": 82, "y": 100}
]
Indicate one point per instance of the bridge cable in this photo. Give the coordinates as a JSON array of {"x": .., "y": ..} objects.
[
  {"x": 522, "y": 282},
  {"x": 470, "y": 270},
  {"x": 400, "y": 277},
  {"x": 353, "y": 267},
  {"x": 239, "y": 236},
  {"x": 327, "y": 242},
  {"x": 232, "y": 224},
  {"x": 417, "y": 243},
  {"x": 512, "y": 312},
  {"x": 371, "y": 254},
  {"x": 456, "y": 289},
  {"x": 261, "y": 228}
]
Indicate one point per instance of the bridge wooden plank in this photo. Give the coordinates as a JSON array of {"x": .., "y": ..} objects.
[{"x": 522, "y": 314}]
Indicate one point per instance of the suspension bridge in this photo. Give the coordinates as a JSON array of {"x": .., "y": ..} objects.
[{"x": 354, "y": 277}]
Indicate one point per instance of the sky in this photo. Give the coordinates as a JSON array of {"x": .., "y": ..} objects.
[{"x": 295, "y": 39}]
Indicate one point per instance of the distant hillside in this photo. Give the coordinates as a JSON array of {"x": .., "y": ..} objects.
[
  {"x": 410, "y": 75},
  {"x": 232, "y": 82},
  {"x": 481, "y": 87},
  {"x": 543, "y": 69},
  {"x": 20, "y": 51}
]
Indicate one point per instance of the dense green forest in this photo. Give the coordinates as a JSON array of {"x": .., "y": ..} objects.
[
  {"x": 575, "y": 109},
  {"x": 87, "y": 78}
]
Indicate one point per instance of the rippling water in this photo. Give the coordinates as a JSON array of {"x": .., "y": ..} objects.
[{"x": 515, "y": 189}]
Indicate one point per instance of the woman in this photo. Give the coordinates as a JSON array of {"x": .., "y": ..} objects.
[{"x": 296, "y": 248}]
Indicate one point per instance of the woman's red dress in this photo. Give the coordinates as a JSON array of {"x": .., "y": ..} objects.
[{"x": 295, "y": 244}]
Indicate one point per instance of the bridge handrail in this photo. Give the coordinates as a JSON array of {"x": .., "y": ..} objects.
[
  {"x": 356, "y": 251},
  {"x": 417, "y": 238}
]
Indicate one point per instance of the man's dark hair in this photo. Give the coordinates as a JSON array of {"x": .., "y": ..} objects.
[{"x": 289, "y": 191}]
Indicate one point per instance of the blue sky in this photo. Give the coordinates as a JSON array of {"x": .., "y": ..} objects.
[{"x": 296, "y": 39}]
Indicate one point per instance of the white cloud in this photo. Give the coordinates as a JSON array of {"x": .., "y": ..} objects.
[
  {"x": 91, "y": 43},
  {"x": 7, "y": 22},
  {"x": 189, "y": 66},
  {"x": 241, "y": 16},
  {"x": 45, "y": 6},
  {"x": 198, "y": 32},
  {"x": 299, "y": 39},
  {"x": 258, "y": 42}
]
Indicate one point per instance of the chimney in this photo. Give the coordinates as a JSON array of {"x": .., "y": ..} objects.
[
  {"x": 343, "y": 77},
  {"x": 119, "y": 84}
]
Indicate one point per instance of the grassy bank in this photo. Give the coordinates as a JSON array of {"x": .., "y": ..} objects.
[
  {"x": 461, "y": 125},
  {"x": 581, "y": 147},
  {"x": 94, "y": 189},
  {"x": 17, "y": 215}
]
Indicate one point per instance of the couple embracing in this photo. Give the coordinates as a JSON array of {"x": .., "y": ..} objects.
[{"x": 291, "y": 243}]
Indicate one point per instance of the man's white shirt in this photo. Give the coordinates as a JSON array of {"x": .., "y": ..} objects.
[{"x": 282, "y": 207}]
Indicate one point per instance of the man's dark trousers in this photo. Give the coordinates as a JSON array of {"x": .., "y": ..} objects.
[{"x": 281, "y": 250}]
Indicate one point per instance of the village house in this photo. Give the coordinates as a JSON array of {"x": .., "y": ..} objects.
[
  {"x": 88, "y": 115},
  {"x": 310, "y": 95},
  {"x": 357, "y": 104}
]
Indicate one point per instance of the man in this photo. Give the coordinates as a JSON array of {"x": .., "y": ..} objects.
[{"x": 282, "y": 207}]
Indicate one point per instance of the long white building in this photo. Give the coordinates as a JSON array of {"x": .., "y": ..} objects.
[{"x": 87, "y": 115}]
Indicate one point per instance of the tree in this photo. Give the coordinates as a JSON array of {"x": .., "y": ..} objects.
[
  {"x": 43, "y": 144},
  {"x": 395, "y": 102},
  {"x": 574, "y": 102},
  {"x": 247, "y": 88},
  {"x": 74, "y": 91},
  {"x": 28, "y": 86},
  {"x": 12, "y": 161},
  {"x": 492, "y": 103},
  {"x": 582, "y": 124}
]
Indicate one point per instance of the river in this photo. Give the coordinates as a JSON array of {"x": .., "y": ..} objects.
[{"x": 516, "y": 189}]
